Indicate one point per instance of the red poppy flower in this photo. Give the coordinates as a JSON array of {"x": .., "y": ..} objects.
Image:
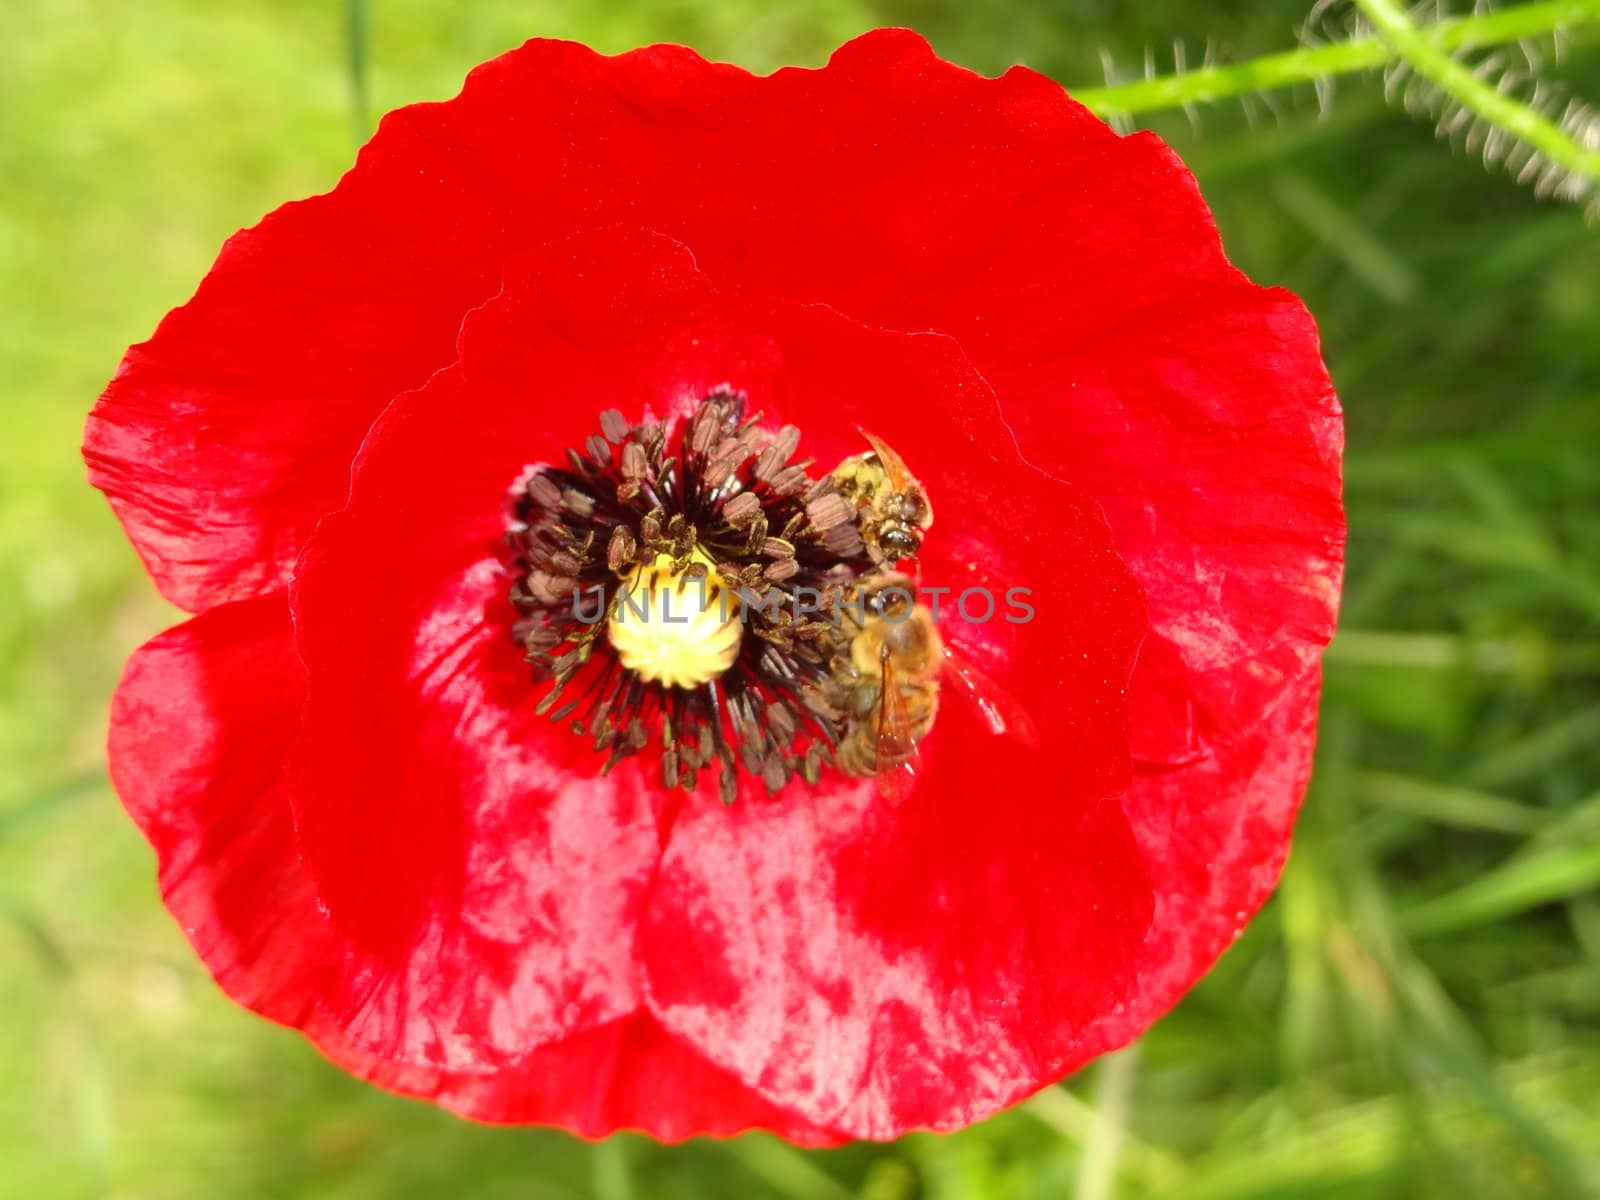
[{"x": 613, "y": 327}]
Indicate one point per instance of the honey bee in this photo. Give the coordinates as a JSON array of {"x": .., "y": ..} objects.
[
  {"x": 886, "y": 681},
  {"x": 892, "y": 509}
]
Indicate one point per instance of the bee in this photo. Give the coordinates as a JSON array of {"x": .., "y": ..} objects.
[
  {"x": 892, "y": 509},
  {"x": 886, "y": 681}
]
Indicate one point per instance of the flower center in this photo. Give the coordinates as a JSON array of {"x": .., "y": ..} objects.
[
  {"x": 674, "y": 628},
  {"x": 693, "y": 589}
]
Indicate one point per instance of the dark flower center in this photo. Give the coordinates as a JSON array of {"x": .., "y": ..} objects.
[{"x": 692, "y": 588}]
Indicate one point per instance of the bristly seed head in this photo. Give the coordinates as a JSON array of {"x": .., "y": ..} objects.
[{"x": 659, "y": 574}]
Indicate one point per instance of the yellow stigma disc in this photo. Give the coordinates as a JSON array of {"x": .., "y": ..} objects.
[{"x": 675, "y": 630}]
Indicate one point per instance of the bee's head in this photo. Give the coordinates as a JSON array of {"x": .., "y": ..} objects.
[{"x": 899, "y": 543}]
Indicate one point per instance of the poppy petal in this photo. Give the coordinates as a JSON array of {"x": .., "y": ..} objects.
[
  {"x": 1211, "y": 437},
  {"x": 486, "y": 878},
  {"x": 199, "y": 727},
  {"x": 204, "y": 716},
  {"x": 229, "y": 433},
  {"x": 490, "y": 876},
  {"x": 1218, "y": 851},
  {"x": 629, "y": 1074},
  {"x": 880, "y": 964},
  {"x": 881, "y": 969}
]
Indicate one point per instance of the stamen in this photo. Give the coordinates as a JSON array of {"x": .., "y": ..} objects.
[{"x": 660, "y": 579}]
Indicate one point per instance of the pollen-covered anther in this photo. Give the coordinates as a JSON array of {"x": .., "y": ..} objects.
[{"x": 676, "y": 628}]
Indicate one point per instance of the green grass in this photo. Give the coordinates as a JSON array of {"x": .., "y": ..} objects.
[{"x": 1416, "y": 1014}]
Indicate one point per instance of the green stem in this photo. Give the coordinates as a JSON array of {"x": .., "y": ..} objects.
[
  {"x": 1449, "y": 652},
  {"x": 1432, "y": 62},
  {"x": 613, "y": 1178},
  {"x": 355, "y": 35},
  {"x": 1114, "y": 1079},
  {"x": 1310, "y": 64}
]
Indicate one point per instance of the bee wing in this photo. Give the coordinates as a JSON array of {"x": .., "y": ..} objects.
[
  {"x": 999, "y": 709},
  {"x": 900, "y": 479},
  {"x": 897, "y": 755}
]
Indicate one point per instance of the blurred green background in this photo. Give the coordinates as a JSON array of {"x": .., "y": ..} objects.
[{"x": 1416, "y": 1014}]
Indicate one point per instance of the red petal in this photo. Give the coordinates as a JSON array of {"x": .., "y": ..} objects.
[
  {"x": 1211, "y": 436},
  {"x": 1214, "y": 837},
  {"x": 1212, "y": 439},
  {"x": 882, "y": 968},
  {"x": 199, "y": 727},
  {"x": 199, "y": 731},
  {"x": 625, "y": 1075},
  {"x": 468, "y": 846},
  {"x": 225, "y": 437},
  {"x": 487, "y": 879}
]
